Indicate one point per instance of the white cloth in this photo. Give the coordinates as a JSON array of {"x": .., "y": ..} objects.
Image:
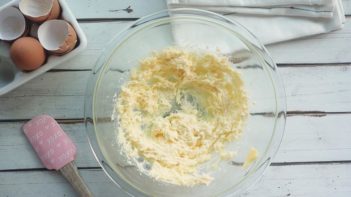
[
  {"x": 271, "y": 7},
  {"x": 251, "y": 3},
  {"x": 276, "y": 20}
]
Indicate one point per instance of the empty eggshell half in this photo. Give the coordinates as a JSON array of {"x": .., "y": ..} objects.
[
  {"x": 37, "y": 10},
  {"x": 12, "y": 24},
  {"x": 57, "y": 36}
]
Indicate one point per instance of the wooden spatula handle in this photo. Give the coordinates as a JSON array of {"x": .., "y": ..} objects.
[{"x": 70, "y": 172}]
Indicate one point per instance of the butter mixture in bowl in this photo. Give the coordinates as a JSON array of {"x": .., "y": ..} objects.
[
  {"x": 177, "y": 110},
  {"x": 194, "y": 113}
]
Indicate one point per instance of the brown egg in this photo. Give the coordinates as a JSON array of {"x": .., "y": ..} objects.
[{"x": 27, "y": 53}]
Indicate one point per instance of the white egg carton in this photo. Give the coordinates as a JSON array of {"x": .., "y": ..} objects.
[{"x": 11, "y": 77}]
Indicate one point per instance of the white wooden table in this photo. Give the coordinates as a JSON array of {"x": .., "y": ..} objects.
[{"x": 314, "y": 158}]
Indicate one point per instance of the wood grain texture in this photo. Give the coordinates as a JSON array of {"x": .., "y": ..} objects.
[
  {"x": 300, "y": 180},
  {"x": 307, "y": 139},
  {"x": 71, "y": 173},
  {"x": 112, "y": 9},
  {"x": 86, "y": 9},
  {"x": 19, "y": 153},
  {"x": 52, "y": 184},
  {"x": 94, "y": 9},
  {"x": 327, "y": 48},
  {"x": 304, "y": 180},
  {"x": 312, "y": 138},
  {"x": 61, "y": 94},
  {"x": 332, "y": 47},
  {"x": 318, "y": 88}
]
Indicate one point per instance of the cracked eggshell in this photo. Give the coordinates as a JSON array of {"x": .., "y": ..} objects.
[
  {"x": 12, "y": 24},
  {"x": 57, "y": 36},
  {"x": 39, "y": 10}
]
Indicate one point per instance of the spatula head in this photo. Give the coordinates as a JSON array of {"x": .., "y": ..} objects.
[{"x": 54, "y": 148}]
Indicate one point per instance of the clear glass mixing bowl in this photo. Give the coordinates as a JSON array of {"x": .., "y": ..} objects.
[{"x": 198, "y": 29}]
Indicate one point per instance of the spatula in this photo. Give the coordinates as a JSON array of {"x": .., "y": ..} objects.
[{"x": 55, "y": 150}]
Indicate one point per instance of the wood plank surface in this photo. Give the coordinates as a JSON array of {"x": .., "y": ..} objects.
[
  {"x": 49, "y": 94},
  {"x": 313, "y": 160},
  {"x": 326, "y": 48},
  {"x": 19, "y": 154},
  {"x": 52, "y": 184},
  {"x": 93, "y": 9},
  {"x": 307, "y": 139},
  {"x": 304, "y": 180},
  {"x": 313, "y": 138},
  {"x": 87, "y": 9},
  {"x": 299, "y": 180},
  {"x": 316, "y": 88}
]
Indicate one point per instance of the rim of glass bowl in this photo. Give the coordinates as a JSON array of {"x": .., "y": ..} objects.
[{"x": 270, "y": 67}]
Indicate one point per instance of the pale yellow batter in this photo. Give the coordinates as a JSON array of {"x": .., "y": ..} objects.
[
  {"x": 178, "y": 110},
  {"x": 251, "y": 157}
]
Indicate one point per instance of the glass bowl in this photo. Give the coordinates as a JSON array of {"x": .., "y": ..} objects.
[{"x": 189, "y": 28}]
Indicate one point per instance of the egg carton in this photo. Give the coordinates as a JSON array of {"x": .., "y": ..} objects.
[{"x": 11, "y": 77}]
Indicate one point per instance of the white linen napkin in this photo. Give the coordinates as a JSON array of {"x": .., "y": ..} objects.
[
  {"x": 275, "y": 20},
  {"x": 270, "y": 7},
  {"x": 251, "y": 3}
]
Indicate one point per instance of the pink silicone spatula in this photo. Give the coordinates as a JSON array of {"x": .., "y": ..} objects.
[{"x": 55, "y": 150}]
